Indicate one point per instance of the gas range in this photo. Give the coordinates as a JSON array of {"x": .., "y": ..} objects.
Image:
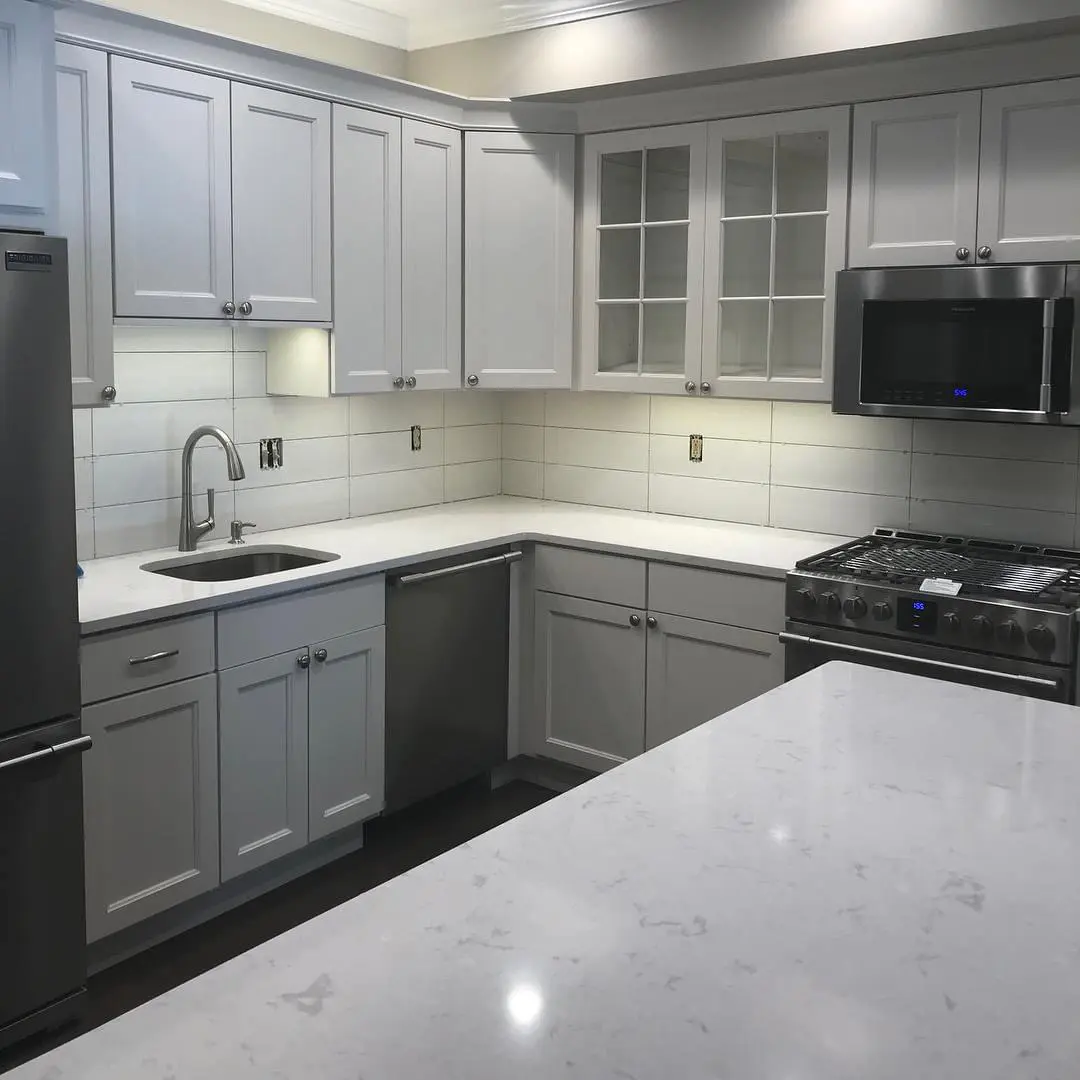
[{"x": 1015, "y": 601}]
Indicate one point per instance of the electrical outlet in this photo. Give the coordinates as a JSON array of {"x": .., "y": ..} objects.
[
  {"x": 415, "y": 436},
  {"x": 271, "y": 455},
  {"x": 697, "y": 448}
]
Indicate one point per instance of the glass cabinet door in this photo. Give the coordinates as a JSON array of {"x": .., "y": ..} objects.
[
  {"x": 644, "y": 228},
  {"x": 775, "y": 226}
]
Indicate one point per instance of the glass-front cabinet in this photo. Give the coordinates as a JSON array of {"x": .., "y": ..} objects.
[{"x": 710, "y": 256}]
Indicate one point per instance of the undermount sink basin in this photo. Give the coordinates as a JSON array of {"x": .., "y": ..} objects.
[{"x": 248, "y": 562}]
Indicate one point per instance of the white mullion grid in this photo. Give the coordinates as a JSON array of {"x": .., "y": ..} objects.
[
  {"x": 772, "y": 258},
  {"x": 641, "y": 263}
]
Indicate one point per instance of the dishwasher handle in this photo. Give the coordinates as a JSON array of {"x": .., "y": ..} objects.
[{"x": 459, "y": 568}]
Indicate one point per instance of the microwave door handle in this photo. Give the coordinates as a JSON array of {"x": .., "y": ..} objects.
[{"x": 1049, "y": 313}]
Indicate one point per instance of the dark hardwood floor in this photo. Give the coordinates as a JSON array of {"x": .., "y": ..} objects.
[{"x": 392, "y": 845}]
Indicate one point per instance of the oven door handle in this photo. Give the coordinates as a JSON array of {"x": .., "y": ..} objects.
[
  {"x": 81, "y": 744},
  {"x": 918, "y": 661}
]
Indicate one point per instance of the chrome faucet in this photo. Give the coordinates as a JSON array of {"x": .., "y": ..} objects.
[{"x": 190, "y": 529}]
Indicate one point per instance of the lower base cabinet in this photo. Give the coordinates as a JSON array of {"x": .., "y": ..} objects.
[{"x": 150, "y": 785}]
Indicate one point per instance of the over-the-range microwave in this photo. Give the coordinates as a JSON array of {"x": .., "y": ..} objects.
[{"x": 961, "y": 343}]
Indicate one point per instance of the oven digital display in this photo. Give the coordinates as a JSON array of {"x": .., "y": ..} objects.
[{"x": 916, "y": 614}]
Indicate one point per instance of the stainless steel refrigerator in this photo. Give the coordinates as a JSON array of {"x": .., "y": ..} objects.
[{"x": 42, "y": 906}]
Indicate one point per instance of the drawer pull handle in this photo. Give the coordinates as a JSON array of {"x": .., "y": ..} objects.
[{"x": 135, "y": 661}]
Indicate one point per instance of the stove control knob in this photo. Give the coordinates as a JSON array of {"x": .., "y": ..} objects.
[
  {"x": 952, "y": 621},
  {"x": 830, "y": 602},
  {"x": 982, "y": 628},
  {"x": 806, "y": 599},
  {"x": 883, "y": 611},
  {"x": 1041, "y": 639},
  {"x": 1010, "y": 632},
  {"x": 855, "y": 607}
]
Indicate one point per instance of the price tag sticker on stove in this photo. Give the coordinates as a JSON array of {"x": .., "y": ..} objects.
[{"x": 941, "y": 586}]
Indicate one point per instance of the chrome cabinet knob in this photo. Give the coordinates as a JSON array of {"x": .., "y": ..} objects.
[
  {"x": 303, "y": 660},
  {"x": 635, "y": 620},
  {"x": 245, "y": 308},
  {"x": 651, "y": 622},
  {"x": 410, "y": 382},
  {"x": 963, "y": 254},
  {"x": 228, "y": 308},
  {"x": 320, "y": 655},
  {"x": 108, "y": 393},
  {"x": 706, "y": 388},
  {"x": 691, "y": 387},
  {"x": 985, "y": 251},
  {"x": 399, "y": 383},
  {"x": 473, "y": 380}
]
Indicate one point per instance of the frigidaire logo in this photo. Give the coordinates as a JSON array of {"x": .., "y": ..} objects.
[{"x": 27, "y": 260}]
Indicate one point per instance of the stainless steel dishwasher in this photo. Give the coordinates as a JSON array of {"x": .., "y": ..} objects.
[{"x": 447, "y": 673}]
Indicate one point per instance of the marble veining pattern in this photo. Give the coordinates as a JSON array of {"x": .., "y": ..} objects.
[{"x": 859, "y": 876}]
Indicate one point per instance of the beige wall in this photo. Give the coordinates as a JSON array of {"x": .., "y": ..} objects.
[
  {"x": 694, "y": 36},
  {"x": 272, "y": 32}
]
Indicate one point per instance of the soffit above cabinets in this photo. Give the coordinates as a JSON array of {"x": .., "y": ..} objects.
[{"x": 419, "y": 24}]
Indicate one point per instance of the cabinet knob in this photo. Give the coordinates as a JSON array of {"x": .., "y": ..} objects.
[
  {"x": 691, "y": 387},
  {"x": 635, "y": 620},
  {"x": 963, "y": 254},
  {"x": 410, "y": 382},
  {"x": 706, "y": 388},
  {"x": 303, "y": 660},
  {"x": 108, "y": 393},
  {"x": 985, "y": 251},
  {"x": 245, "y": 308},
  {"x": 399, "y": 383},
  {"x": 320, "y": 655},
  {"x": 228, "y": 308},
  {"x": 651, "y": 622},
  {"x": 473, "y": 380}
]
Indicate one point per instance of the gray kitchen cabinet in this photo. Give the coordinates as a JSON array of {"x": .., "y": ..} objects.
[
  {"x": 150, "y": 787},
  {"x": 263, "y": 719},
  {"x": 346, "y": 706},
  {"x": 698, "y": 670},
  {"x": 589, "y": 691},
  {"x": 172, "y": 199},
  {"x": 281, "y": 205},
  {"x": 519, "y": 260},
  {"x": 915, "y": 181},
  {"x": 431, "y": 255},
  {"x": 84, "y": 214},
  {"x": 1029, "y": 200},
  {"x": 27, "y": 114}
]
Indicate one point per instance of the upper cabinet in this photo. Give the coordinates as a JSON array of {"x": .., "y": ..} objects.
[
  {"x": 642, "y": 253},
  {"x": 519, "y": 260},
  {"x": 84, "y": 216},
  {"x": 978, "y": 177},
  {"x": 221, "y": 198},
  {"x": 915, "y": 181},
  {"x": 27, "y": 114}
]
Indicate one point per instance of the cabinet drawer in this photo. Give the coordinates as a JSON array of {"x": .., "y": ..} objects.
[
  {"x": 612, "y": 579},
  {"x": 129, "y": 660},
  {"x": 274, "y": 626},
  {"x": 756, "y": 603}
]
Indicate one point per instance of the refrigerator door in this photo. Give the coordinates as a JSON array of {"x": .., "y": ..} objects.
[{"x": 39, "y": 631}]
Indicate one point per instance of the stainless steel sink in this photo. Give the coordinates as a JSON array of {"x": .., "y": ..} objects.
[{"x": 248, "y": 562}]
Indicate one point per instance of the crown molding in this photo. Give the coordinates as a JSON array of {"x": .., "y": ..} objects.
[{"x": 341, "y": 16}]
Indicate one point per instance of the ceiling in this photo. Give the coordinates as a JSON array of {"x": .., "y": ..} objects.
[{"x": 419, "y": 24}]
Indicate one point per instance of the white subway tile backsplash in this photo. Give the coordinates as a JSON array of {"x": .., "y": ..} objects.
[
  {"x": 84, "y": 483},
  {"x": 82, "y": 432},
  {"x": 992, "y": 522},
  {"x": 84, "y": 535},
  {"x": 521, "y": 442},
  {"x": 472, "y": 480},
  {"x": 294, "y": 504},
  {"x": 523, "y": 407},
  {"x": 817, "y": 425},
  {"x": 599, "y": 411},
  {"x": 467, "y": 408},
  {"x": 382, "y": 492},
  {"x": 478, "y": 443},
  {"x": 869, "y": 472},
  {"x": 391, "y": 451},
  {"x": 597, "y": 487},
  {"x": 749, "y": 421},
  {"x": 249, "y": 375},
  {"x": 1030, "y": 485},
  {"x": 524, "y": 478},
  {"x": 597, "y": 449},
  {"x": 840, "y": 512},
  {"x": 1030, "y": 442},
  {"x": 178, "y": 376},
  {"x": 289, "y": 418},
  {"x": 394, "y": 412},
  {"x": 145, "y": 525},
  {"x": 143, "y": 426},
  {"x": 304, "y": 460},
  {"x": 721, "y": 459},
  {"x": 721, "y": 500},
  {"x": 156, "y": 475}
]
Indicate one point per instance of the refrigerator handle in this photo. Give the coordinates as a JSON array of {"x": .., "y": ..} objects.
[{"x": 81, "y": 744}]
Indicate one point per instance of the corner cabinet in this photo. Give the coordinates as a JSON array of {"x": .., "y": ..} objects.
[{"x": 519, "y": 260}]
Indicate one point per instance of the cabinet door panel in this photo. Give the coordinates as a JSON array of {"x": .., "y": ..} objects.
[
  {"x": 590, "y": 681},
  {"x": 281, "y": 204},
  {"x": 171, "y": 191},
  {"x": 346, "y": 731},
  {"x": 431, "y": 252},
  {"x": 151, "y": 797},
  {"x": 519, "y": 259},
  {"x": 699, "y": 670},
  {"x": 915, "y": 181},
  {"x": 84, "y": 214},
  {"x": 367, "y": 251},
  {"x": 1029, "y": 200},
  {"x": 264, "y": 762}
]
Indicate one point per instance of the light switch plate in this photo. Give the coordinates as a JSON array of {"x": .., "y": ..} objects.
[
  {"x": 697, "y": 447},
  {"x": 415, "y": 436},
  {"x": 271, "y": 455}
]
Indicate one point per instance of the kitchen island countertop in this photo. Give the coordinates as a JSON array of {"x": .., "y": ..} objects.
[{"x": 860, "y": 875}]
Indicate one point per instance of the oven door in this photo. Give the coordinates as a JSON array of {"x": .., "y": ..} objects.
[
  {"x": 807, "y": 647},
  {"x": 991, "y": 343}
]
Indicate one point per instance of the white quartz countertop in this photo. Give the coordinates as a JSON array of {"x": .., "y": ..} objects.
[
  {"x": 861, "y": 875},
  {"x": 115, "y": 592}
]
